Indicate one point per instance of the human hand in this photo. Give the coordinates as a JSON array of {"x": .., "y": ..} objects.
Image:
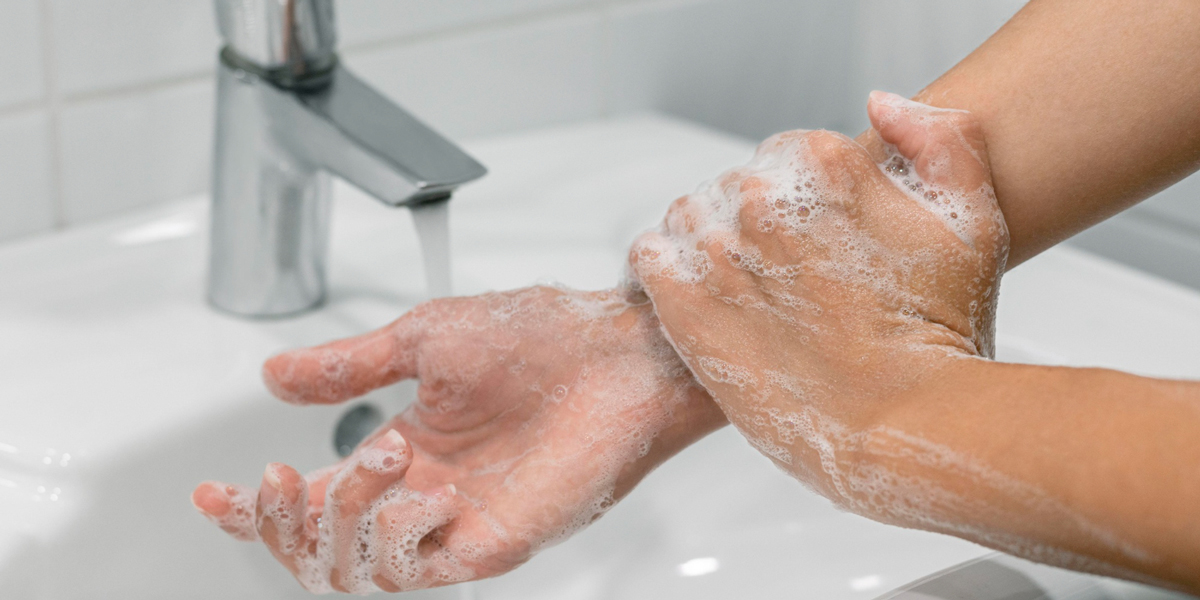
[
  {"x": 811, "y": 286},
  {"x": 537, "y": 410}
]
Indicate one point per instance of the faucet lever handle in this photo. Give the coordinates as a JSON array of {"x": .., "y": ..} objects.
[{"x": 375, "y": 144}]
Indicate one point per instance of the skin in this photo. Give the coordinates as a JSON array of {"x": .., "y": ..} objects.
[
  {"x": 1088, "y": 107},
  {"x": 1060, "y": 76},
  {"x": 529, "y": 462},
  {"x": 1084, "y": 468}
]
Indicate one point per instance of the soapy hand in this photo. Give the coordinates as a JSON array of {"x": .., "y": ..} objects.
[
  {"x": 537, "y": 410},
  {"x": 811, "y": 286}
]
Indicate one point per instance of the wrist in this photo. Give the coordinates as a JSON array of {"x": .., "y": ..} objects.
[
  {"x": 690, "y": 421},
  {"x": 685, "y": 408},
  {"x": 919, "y": 410}
]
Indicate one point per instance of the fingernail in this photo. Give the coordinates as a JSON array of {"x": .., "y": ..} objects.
[
  {"x": 446, "y": 491},
  {"x": 890, "y": 100},
  {"x": 272, "y": 485},
  {"x": 208, "y": 490},
  {"x": 391, "y": 441}
]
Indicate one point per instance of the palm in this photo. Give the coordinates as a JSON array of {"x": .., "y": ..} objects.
[{"x": 541, "y": 406}]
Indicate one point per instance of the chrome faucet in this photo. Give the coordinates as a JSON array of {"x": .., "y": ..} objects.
[{"x": 288, "y": 115}]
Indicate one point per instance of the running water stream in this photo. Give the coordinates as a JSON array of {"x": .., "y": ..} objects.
[{"x": 432, "y": 220}]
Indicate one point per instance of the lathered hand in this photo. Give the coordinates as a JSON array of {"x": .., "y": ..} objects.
[
  {"x": 537, "y": 410},
  {"x": 811, "y": 286}
]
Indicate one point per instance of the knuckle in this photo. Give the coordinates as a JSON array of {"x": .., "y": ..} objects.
[
  {"x": 958, "y": 127},
  {"x": 832, "y": 152},
  {"x": 678, "y": 204},
  {"x": 824, "y": 144},
  {"x": 961, "y": 120},
  {"x": 779, "y": 140},
  {"x": 769, "y": 144},
  {"x": 683, "y": 218},
  {"x": 842, "y": 161},
  {"x": 754, "y": 209}
]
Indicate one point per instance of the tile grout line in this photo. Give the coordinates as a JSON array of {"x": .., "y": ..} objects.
[
  {"x": 607, "y": 61},
  {"x": 58, "y": 99},
  {"x": 55, "y": 100},
  {"x": 134, "y": 89},
  {"x": 54, "y": 109},
  {"x": 1150, "y": 216},
  {"x": 23, "y": 107},
  {"x": 494, "y": 24}
]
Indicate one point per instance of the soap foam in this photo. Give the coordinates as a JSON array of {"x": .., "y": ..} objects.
[
  {"x": 600, "y": 384},
  {"x": 796, "y": 192},
  {"x": 238, "y": 521},
  {"x": 383, "y": 538}
]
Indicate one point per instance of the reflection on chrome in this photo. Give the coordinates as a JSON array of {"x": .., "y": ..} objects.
[
  {"x": 865, "y": 583},
  {"x": 699, "y": 566}
]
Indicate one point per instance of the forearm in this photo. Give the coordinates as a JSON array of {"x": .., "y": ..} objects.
[
  {"x": 690, "y": 422},
  {"x": 1057, "y": 464},
  {"x": 1088, "y": 106}
]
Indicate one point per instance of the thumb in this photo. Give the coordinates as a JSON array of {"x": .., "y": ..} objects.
[
  {"x": 947, "y": 150},
  {"x": 946, "y": 146}
]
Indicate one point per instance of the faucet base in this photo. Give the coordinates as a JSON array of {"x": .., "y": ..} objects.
[{"x": 270, "y": 210}]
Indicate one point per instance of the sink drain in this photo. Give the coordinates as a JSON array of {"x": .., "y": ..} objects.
[{"x": 356, "y": 424}]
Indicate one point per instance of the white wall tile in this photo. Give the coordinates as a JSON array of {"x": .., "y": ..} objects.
[
  {"x": 135, "y": 150},
  {"x": 105, "y": 44},
  {"x": 26, "y": 203},
  {"x": 904, "y": 47},
  {"x": 1148, "y": 242},
  {"x": 21, "y": 77},
  {"x": 1160, "y": 235},
  {"x": 1179, "y": 203},
  {"x": 365, "y": 21},
  {"x": 496, "y": 80},
  {"x": 750, "y": 68}
]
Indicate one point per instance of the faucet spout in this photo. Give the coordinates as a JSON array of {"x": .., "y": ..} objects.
[{"x": 364, "y": 138}]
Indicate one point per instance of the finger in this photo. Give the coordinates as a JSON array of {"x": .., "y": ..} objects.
[
  {"x": 684, "y": 218},
  {"x": 780, "y": 142},
  {"x": 756, "y": 212},
  {"x": 946, "y": 146},
  {"x": 838, "y": 167},
  {"x": 700, "y": 235},
  {"x": 775, "y": 220},
  {"x": 281, "y": 514},
  {"x": 947, "y": 150},
  {"x": 338, "y": 371},
  {"x": 410, "y": 551},
  {"x": 365, "y": 481},
  {"x": 654, "y": 257},
  {"x": 676, "y": 292},
  {"x": 318, "y": 483},
  {"x": 230, "y": 506}
]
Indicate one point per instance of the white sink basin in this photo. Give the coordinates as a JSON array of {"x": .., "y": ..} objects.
[{"x": 122, "y": 389}]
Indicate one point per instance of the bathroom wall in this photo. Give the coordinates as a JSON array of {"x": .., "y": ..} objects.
[
  {"x": 904, "y": 49},
  {"x": 106, "y": 105}
]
